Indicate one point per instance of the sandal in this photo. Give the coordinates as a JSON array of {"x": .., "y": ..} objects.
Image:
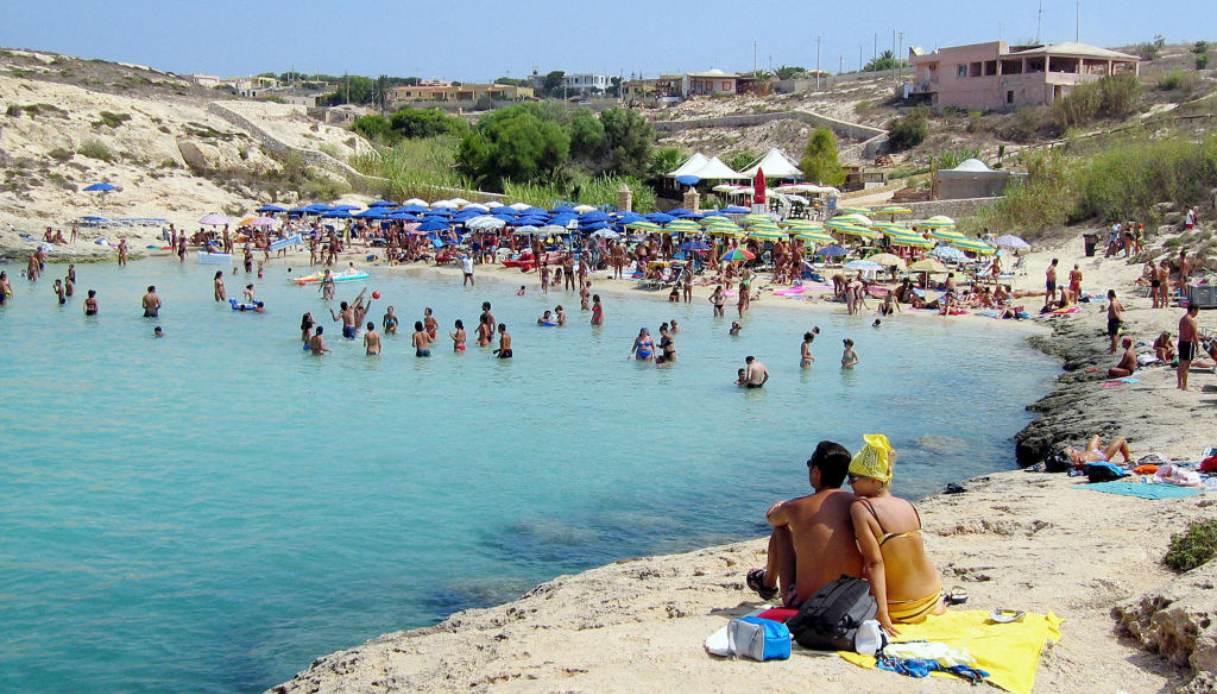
[
  {"x": 756, "y": 581},
  {"x": 957, "y": 596}
]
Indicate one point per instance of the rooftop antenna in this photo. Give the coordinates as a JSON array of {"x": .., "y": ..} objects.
[{"x": 1039, "y": 20}]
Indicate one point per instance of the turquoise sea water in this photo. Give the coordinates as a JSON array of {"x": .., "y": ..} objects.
[{"x": 212, "y": 510}]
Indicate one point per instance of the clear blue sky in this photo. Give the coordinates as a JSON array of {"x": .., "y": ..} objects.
[{"x": 482, "y": 39}]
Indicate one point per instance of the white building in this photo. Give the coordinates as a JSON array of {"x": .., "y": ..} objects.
[
  {"x": 586, "y": 82},
  {"x": 207, "y": 81}
]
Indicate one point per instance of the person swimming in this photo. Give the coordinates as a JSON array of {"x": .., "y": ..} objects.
[{"x": 547, "y": 320}]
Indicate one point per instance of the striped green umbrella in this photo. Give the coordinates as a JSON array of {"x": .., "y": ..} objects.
[
  {"x": 892, "y": 228},
  {"x": 864, "y": 211},
  {"x": 949, "y": 235},
  {"x": 974, "y": 246},
  {"x": 814, "y": 237},
  {"x": 852, "y": 218},
  {"x": 892, "y": 209},
  {"x": 724, "y": 230},
  {"x": 767, "y": 235},
  {"x": 643, "y": 225},
  {"x": 910, "y": 241},
  {"x": 853, "y": 230},
  {"x": 936, "y": 222},
  {"x": 682, "y": 226}
]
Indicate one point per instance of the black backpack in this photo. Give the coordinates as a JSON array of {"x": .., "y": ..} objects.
[
  {"x": 829, "y": 619},
  {"x": 1060, "y": 461}
]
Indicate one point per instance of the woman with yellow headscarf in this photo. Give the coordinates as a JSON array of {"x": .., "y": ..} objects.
[{"x": 904, "y": 582}]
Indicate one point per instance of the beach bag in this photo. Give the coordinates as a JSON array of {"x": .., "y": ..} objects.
[
  {"x": 758, "y": 639},
  {"x": 1058, "y": 462},
  {"x": 830, "y": 619},
  {"x": 1103, "y": 472}
]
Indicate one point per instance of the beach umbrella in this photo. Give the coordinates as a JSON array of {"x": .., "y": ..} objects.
[
  {"x": 852, "y": 230},
  {"x": 680, "y": 212},
  {"x": 493, "y": 204},
  {"x": 459, "y": 202},
  {"x": 588, "y": 217},
  {"x": 735, "y": 209},
  {"x": 937, "y": 222},
  {"x": 910, "y": 241},
  {"x": 758, "y": 187},
  {"x": 767, "y": 235},
  {"x": 412, "y": 208},
  {"x": 863, "y": 211},
  {"x": 419, "y": 202},
  {"x": 485, "y": 222},
  {"x": 263, "y": 222},
  {"x": 852, "y": 218},
  {"x": 928, "y": 266},
  {"x": 948, "y": 253},
  {"x": 736, "y": 255},
  {"x": 555, "y": 229},
  {"x": 433, "y": 224},
  {"x": 271, "y": 209},
  {"x": 444, "y": 205},
  {"x": 695, "y": 245},
  {"x": 725, "y": 188},
  {"x": 660, "y": 218},
  {"x": 214, "y": 219},
  {"x": 974, "y": 246},
  {"x": 526, "y": 230},
  {"x": 593, "y": 226},
  {"x": 475, "y": 206},
  {"x": 813, "y": 237},
  {"x": 627, "y": 217},
  {"x": 345, "y": 207},
  {"x": 864, "y": 265},
  {"x": 336, "y": 214},
  {"x": 519, "y": 206},
  {"x": 892, "y": 210},
  {"x": 102, "y": 187},
  {"x": 683, "y": 226},
  {"x": 832, "y": 251},
  {"x": 711, "y": 213},
  {"x": 947, "y": 234},
  {"x": 1012, "y": 242},
  {"x": 382, "y": 203},
  {"x": 887, "y": 260},
  {"x": 606, "y": 234},
  {"x": 644, "y": 225}
]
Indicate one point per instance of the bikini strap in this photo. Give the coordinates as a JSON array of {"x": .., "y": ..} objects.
[{"x": 867, "y": 504}]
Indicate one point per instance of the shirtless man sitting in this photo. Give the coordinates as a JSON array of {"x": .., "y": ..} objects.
[
  {"x": 1128, "y": 362},
  {"x": 812, "y": 543}
]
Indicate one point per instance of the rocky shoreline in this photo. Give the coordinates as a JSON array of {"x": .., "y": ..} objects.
[{"x": 1015, "y": 539}]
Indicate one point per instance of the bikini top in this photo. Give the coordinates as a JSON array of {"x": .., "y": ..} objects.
[{"x": 892, "y": 536}]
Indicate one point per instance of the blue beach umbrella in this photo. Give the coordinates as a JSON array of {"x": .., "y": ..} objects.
[
  {"x": 412, "y": 209},
  {"x": 695, "y": 245},
  {"x": 383, "y": 203},
  {"x": 735, "y": 209},
  {"x": 660, "y": 218},
  {"x": 433, "y": 225},
  {"x": 627, "y": 217},
  {"x": 100, "y": 188},
  {"x": 336, "y": 214},
  {"x": 688, "y": 180},
  {"x": 832, "y": 251},
  {"x": 593, "y": 217},
  {"x": 272, "y": 209},
  {"x": 348, "y": 208}
]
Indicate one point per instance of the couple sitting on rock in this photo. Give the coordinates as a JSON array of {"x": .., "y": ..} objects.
[{"x": 867, "y": 534}]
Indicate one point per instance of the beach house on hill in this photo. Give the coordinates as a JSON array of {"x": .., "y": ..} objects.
[{"x": 995, "y": 75}]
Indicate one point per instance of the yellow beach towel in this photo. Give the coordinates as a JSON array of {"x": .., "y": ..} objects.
[{"x": 1010, "y": 653}]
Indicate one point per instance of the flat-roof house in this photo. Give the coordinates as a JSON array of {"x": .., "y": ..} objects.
[
  {"x": 584, "y": 83},
  {"x": 464, "y": 93},
  {"x": 993, "y": 75},
  {"x": 709, "y": 83}
]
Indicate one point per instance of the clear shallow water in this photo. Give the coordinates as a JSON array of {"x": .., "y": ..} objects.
[{"x": 212, "y": 510}]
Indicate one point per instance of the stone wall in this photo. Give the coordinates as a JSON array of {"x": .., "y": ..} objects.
[
  {"x": 951, "y": 208},
  {"x": 869, "y": 141}
]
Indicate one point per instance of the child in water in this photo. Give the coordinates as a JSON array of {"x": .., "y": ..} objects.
[{"x": 849, "y": 358}]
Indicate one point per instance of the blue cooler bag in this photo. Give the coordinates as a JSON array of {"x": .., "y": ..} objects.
[{"x": 758, "y": 639}]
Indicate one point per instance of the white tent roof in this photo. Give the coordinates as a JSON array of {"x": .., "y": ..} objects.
[
  {"x": 691, "y": 166},
  {"x": 973, "y": 166},
  {"x": 776, "y": 165},
  {"x": 716, "y": 170}
]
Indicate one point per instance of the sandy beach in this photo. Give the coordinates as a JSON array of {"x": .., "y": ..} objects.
[{"x": 1024, "y": 540}]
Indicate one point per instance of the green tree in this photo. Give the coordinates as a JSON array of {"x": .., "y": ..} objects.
[
  {"x": 425, "y": 122},
  {"x": 513, "y": 144},
  {"x": 512, "y": 81},
  {"x": 628, "y": 137},
  {"x": 886, "y": 61},
  {"x": 664, "y": 160},
  {"x": 819, "y": 162},
  {"x": 376, "y": 128},
  {"x": 551, "y": 85},
  {"x": 908, "y": 131},
  {"x": 789, "y": 72},
  {"x": 587, "y": 140},
  {"x": 740, "y": 159}
]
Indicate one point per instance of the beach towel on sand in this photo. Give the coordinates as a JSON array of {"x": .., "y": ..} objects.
[
  {"x": 1153, "y": 492},
  {"x": 1010, "y": 653}
]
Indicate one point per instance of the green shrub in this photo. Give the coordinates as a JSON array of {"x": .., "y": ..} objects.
[
  {"x": 908, "y": 131},
  {"x": 1202, "y": 61},
  {"x": 111, "y": 120},
  {"x": 60, "y": 154},
  {"x": 952, "y": 158},
  {"x": 1177, "y": 79},
  {"x": 1044, "y": 201},
  {"x": 95, "y": 149},
  {"x": 819, "y": 162},
  {"x": 13, "y": 111},
  {"x": 1194, "y": 547}
]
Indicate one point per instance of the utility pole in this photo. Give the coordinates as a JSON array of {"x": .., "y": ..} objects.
[
  {"x": 899, "y": 50},
  {"x": 875, "y": 52},
  {"x": 860, "y": 63},
  {"x": 1077, "y": 21},
  {"x": 817, "y": 63},
  {"x": 894, "y": 62},
  {"x": 754, "y": 57},
  {"x": 1039, "y": 21}
]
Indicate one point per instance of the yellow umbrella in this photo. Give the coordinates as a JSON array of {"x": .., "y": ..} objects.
[
  {"x": 893, "y": 210},
  {"x": 887, "y": 260},
  {"x": 682, "y": 226},
  {"x": 643, "y": 225},
  {"x": 974, "y": 246},
  {"x": 855, "y": 210},
  {"x": 928, "y": 265},
  {"x": 936, "y": 222},
  {"x": 814, "y": 237},
  {"x": 910, "y": 241},
  {"x": 766, "y": 235},
  {"x": 949, "y": 235},
  {"x": 853, "y": 230}
]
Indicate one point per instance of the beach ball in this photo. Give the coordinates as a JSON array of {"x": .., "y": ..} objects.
[{"x": 376, "y": 295}]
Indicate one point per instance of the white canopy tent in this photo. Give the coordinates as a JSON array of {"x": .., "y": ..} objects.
[
  {"x": 716, "y": 170},
  {"x": 690, "y": 167},
  {"x": 775, "y": 164}
]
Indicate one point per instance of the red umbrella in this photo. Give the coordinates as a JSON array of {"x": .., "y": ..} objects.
[{"x": 758, "y": 186}]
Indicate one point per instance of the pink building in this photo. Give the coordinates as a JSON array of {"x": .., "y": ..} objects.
[{"x": 986, "y": 76}]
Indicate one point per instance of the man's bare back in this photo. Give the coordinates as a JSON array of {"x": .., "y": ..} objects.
[{"x": 822, "y": 534}]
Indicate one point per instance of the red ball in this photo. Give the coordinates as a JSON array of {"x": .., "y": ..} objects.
[{"x": 375, "y": 295}]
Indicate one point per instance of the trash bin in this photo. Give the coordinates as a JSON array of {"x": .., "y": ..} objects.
[{"x": 1090, "y": 241}]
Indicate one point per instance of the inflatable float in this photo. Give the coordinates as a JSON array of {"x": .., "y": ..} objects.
[
  {"x": 293, "y": 240},
  {"x": 206, "y": 258},
  {"x": 316, "y": 277},
  {"x": 256, "y": 307}
]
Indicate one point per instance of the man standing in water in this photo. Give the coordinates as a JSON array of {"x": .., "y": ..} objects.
[
  {"x": 122, "y": 252},
  {"x": 755, "y": 373},
  {"x": 1188, "y": 330},
  {"x": 316, "y": 343},
  {"x": 467, "y": 269},
  {"x": 504, "y": 350},
  {"x": 812, "y": 543},
  {"x": 151, "y": 303},
  {"x": 346, "y": 314}
]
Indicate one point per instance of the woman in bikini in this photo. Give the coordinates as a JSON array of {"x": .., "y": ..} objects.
[
  {"x": 458, "y": 337},
  {"x": 644, "y": 347},
  {"x": 903, "y": 580}
]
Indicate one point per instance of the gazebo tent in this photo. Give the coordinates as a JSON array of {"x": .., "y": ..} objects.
[
  {"x": 716, "y": 170},
  {"x": 690, "y": 167},
  {"x": 776, "y": 164}
]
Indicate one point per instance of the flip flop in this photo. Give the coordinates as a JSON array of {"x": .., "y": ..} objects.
[
  {"x": 756, "y": 581},
  {"x": 957, "y": 596}
]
